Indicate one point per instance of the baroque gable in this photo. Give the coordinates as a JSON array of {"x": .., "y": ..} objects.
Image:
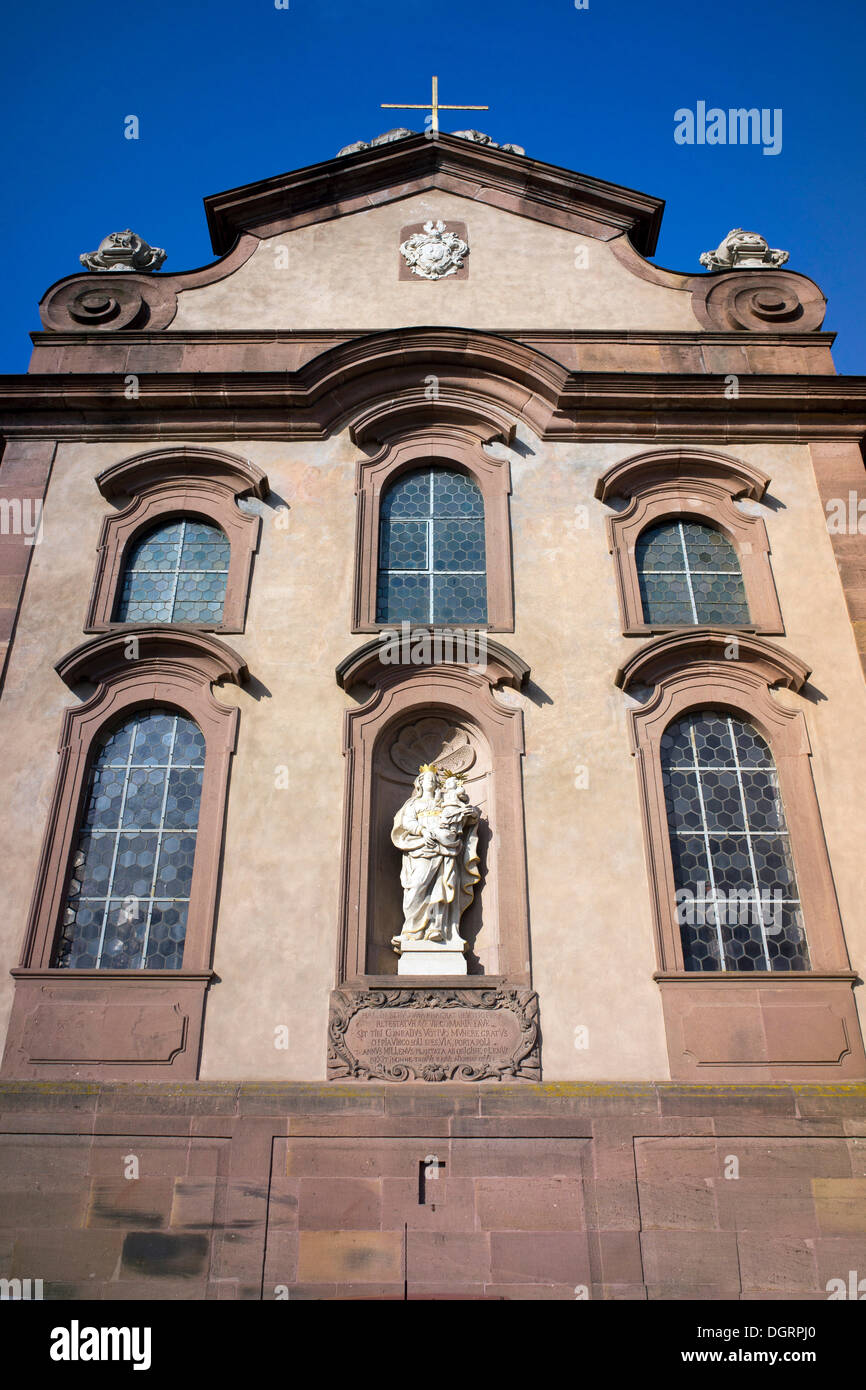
[{"x": 367, "y": 240}]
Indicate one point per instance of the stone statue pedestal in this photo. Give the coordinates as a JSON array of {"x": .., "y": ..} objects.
[{"x": 430, "y": 958}]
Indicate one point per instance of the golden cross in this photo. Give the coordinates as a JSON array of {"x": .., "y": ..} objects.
[{"x": 434, "y": 105}]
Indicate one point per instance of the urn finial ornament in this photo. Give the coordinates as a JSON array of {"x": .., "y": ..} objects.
[
  {"x": 124, "y": 251},
  {"x": 743, "y": 250}
]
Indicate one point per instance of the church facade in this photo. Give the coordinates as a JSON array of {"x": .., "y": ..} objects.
[{"x": 433, "y": 661}]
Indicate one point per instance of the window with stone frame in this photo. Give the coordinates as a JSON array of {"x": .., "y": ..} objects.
[
  {"x": 739, "y": 874},
  {"x": 432, "y": 559},
  {"x": 689, "y": 572},
  {"x": 180, "y": 548},
  {"x": 121, "y": 926},
  {"x": 689, "y": 544},
  {"x": 737, "y": 900},
  {"x": 176, "y": 572},
  {"x": 128, "y": 893}
]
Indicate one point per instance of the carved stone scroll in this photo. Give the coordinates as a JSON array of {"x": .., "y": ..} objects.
[{"x": 758, "y": 301}]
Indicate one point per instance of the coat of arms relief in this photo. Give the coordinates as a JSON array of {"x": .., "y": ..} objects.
[{"x": 434, "y": 253}]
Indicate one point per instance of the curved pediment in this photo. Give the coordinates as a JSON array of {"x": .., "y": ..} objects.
[
  {"x": 144, "y": 646},
  {"x": 180, "y": 463},
  {"x": 388, "y": 658},
  {"x": 705, "y": 649},
  {"x": 389, "y": 383},
  {"x": 681, "y": 466}
]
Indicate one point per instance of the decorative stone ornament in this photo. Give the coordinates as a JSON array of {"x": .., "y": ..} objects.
[
  {"x": 124, "y": 251},
  {"x": 476, "y": 136},
  {"x": 743, "y": 251},
  {"x": 389, "y": 136},
  {"x": 432, "y": 741},
  {"x": 489, "y": 1033},
  {"x": 479, "y": 138},
  {"x": 434, "y": 253}
]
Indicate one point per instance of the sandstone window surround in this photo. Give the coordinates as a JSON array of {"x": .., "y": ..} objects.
[
  {"x": 165, "y": 484},
  {"x": 454, "y": 447},
  {"x": 682, "y": 485},
  {"x": 125, "y": 1024},
  {"x": 479, "y": 706},
  {"x": 733, "y": 1025}
]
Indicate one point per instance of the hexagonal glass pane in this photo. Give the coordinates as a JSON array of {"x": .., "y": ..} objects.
[
  {"x": 131, "y": 870},
  {"x": 737, "y": 900},
  {"x": 176, "y": 572},
  {"x": 689, "y": 573},
  {"x": 432, "y": 557}
]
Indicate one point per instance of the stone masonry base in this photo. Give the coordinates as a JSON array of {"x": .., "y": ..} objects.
[{"x": 556, "y": 1191}]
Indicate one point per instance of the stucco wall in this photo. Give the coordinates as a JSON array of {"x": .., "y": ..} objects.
[
  {"x": 522, "y": 274},
  {"x": 592, "y": 947}
]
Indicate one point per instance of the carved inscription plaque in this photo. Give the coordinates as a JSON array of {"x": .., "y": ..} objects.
[
  {"x": 434, "y": 1034},
  {"x": 385, "y": 1037}
]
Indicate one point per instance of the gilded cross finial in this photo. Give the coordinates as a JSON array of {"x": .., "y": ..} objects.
[{"x": 434, "y": 106}]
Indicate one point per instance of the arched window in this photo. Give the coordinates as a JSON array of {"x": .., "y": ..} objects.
[
  {"x": 689, "y": 573},
  {"x": 128, "y": 893},
  {"x": 432, "y": 564},
  {"x": 737, "y": 901},
  {"x": 738, "y": 864},
  {"x": 176, "y": 573}
]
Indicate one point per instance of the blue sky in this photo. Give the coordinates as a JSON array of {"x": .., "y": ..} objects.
[{"x": 227, "y": 93}]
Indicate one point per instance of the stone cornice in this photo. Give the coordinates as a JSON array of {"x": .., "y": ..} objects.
[
  {"x": 615, "y": 351},
  {"x": 526, "y": 187},
  {"x": 557, "y": 404},
  {"x": 821, "y": 1104},
  {"x": 330, "y": 337},
  {"x": 661, "y": 387}
]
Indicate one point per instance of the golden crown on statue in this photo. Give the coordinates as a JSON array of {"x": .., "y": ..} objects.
[{"x": 442, "y": 773}]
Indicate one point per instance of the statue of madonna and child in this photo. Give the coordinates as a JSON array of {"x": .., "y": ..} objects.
[{"x": 437, "y": 831}]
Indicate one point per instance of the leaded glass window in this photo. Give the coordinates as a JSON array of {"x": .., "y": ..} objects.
[
  {"x": 176, "y": 573},
  {"x": 689, "y": 573},
  {"x": 432, "y": 566},
  {"x": 128, "y": 894},
  {"x": 737, "y": 902}
]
